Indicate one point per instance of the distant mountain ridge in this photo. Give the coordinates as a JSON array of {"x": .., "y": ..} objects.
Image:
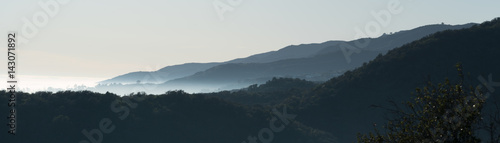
[
  {"x": 161, "y": 75},
  {"x": 183, "y": 70},
  {"x": 315, "y": 62},
  {"x": 289, "y": 52}
]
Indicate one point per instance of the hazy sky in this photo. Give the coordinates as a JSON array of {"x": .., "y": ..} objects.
[{"x": 105, "y": 38}]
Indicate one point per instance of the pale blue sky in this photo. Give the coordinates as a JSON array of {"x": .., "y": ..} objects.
[{"x": 105, "y": 38}]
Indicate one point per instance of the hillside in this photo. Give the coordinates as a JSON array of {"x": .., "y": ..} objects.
[
  {"x": 172, "y": 117},
  {"x": 271, "y": 93},
  {"x": 343, "y": 105}
]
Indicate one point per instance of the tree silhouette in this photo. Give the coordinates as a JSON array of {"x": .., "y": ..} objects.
[{"x": 444, "y": 112}]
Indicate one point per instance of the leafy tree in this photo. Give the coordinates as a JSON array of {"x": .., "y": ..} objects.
[{"x": 444, "y": 112}]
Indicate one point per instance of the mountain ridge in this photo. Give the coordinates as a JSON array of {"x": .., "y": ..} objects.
[{"x": 321, "y": 62}]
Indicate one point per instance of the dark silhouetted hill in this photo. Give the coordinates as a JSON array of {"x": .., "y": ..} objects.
[
  {"x": 175, "y": 116},
  {"x": 273, "y": 92},
  {"x": 343, "y": 105}
]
